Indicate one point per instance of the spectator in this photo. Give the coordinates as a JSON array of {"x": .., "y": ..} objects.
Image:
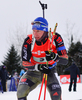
[
  {"x": 15, "y": 76},
  {"x": 74, "y": 71},
  {"x": 4, "y": 77},
  {"x": 21, "y": 72},
  {"x": 1, "y": 88}
]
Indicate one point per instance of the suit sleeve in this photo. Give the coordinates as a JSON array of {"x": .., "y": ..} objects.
[
  {"x": 26, "y": 50},
  {"x": 26, "y": 55},
  {"x": 61, "y": 50}
]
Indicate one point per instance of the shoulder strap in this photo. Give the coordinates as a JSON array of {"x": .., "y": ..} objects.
[{"x": 33, "y": 42}]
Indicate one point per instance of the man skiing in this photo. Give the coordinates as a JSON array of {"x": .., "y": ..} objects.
[{"x": 35, "y": 54}]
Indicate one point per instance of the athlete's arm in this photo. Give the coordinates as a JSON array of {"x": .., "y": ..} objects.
[
  {"x": 26, "y": 54},
  {"x": 61, "y": 50}
]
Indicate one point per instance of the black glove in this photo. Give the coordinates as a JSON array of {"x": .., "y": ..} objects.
[
  {"x": 43, "y": 68},
  {"x": 51, "y": 56}
]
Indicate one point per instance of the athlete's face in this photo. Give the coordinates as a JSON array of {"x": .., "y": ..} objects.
[{"x": 38, "y": 34}]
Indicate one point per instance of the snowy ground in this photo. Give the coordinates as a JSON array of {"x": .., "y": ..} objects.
[{"x": 66, "y": 95}]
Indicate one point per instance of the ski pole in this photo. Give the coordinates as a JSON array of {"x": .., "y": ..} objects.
[
  {"x": 44, "y": 78},
  {"x": 45, "y": 86},
  {"x": 41, "y": 87},
  {"x": 53, "y": 33}
]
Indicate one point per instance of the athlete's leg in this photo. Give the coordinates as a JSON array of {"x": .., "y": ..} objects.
[
  {"x": 54, "y": 87},
  {"x": 27, "y": 83}
]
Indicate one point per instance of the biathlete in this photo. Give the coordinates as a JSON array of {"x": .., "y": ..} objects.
[{"x": 35, "y": 54}]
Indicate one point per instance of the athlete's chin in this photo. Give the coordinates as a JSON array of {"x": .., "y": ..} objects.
[{"x": 37, "y": 38}]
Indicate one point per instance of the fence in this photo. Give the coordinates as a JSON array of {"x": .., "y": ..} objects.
[{"x": 64, "y": 79}]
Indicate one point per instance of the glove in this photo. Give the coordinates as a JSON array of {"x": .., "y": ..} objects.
[
  {"x": 43, "y": 68},
  {"x": 51, "y": 56}
]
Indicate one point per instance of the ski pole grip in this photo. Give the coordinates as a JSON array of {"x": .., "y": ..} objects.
[{"x": 55, "y": 28}]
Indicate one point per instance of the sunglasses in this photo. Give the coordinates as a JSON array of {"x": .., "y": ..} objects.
[{"x": 38, "y": 22}]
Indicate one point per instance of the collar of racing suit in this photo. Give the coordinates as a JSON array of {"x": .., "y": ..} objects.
[{"x": 41, "y": 42}]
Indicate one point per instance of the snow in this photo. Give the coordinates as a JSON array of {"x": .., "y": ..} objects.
[{"x": 66, "y": 95}]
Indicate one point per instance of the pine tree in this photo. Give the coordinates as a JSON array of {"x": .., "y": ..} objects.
[
  {"x": 75, "y": 54},
  {"x": 12, "y": 60}
]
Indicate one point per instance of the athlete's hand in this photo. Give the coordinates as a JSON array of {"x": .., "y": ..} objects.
[
  {"x": 51, "y": 56},
  {"x": 43, "y": 68}
]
